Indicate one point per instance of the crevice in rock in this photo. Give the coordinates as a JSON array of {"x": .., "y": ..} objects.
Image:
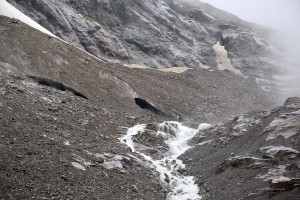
[
  {"x": 56, "y": 85},
  {"x": 145, "y": 105}
]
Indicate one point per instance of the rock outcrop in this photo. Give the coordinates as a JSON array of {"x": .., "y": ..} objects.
[
  {"x": 253, "y": 156},
  {"x": 159, "y": 34}
]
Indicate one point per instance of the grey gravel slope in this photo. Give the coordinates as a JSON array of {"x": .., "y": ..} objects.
[{"x": 46, "y": 133}]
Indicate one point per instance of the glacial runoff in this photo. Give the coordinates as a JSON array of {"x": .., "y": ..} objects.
[{"x": 164, "y": 160}]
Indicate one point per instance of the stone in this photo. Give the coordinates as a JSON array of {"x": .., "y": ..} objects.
[{"x": 3, "y": 90}]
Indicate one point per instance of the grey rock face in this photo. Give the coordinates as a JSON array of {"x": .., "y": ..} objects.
[
  {"x": 159, "y": 34},
  {"x": 254, "y": 156}
]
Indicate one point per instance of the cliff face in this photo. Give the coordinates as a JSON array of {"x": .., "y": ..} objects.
[{"x": 159, "y": 34}]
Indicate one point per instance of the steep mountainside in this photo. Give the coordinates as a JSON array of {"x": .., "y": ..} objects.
[
  {"x": 164, "y": 33},
  {"x": 253, "y": 156},
  {"x": 66, "y": 116},
  {"x": 59, "y": 104}
]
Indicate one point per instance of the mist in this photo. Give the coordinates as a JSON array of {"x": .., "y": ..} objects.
[
  {"x": 282, "y": 16},
  {"x": 278, "y": 14}
]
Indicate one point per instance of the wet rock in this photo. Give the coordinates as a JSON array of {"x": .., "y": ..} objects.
[
  {"x": 150, "y": 138},
  {"x": 292, "y": 100},
  {"x": 167, "y": 179},
  {"x": 98, "y": 159},
  {"x": 283, "y": 184},
  {"x": 242, "y": 161},
  {"x": 151, "y": 127},
  {"x": 279, "y": 152},
  {"x": 286, "y": 127}
]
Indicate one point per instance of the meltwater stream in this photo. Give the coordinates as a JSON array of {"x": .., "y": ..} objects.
[{"x": 176, "y": 137}]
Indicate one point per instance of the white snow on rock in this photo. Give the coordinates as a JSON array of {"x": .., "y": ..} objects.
[
  {"x": 280, "y": 179},
  {"x": 78, "y": 166},
  {"x": 223, "y": 60},
  {"x": 67, "y": 143},
  {"x": 114, "y": 162},
  {"x": 181, "y": 187},
  {"x": 275, "y": 175},
  {"x": 204, "y": 142},
  {"x": 111, "y": 161},
  {"x": 8, "y": 10}
]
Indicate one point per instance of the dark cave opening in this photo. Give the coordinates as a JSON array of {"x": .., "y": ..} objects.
[
  {"x": 145, "y": 105},
  {"x": 56, "y": 85}
]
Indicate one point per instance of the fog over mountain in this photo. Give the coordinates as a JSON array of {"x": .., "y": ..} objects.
[
  {"x": 279, "y": 14},
  {"x": 282, "y": 15}
]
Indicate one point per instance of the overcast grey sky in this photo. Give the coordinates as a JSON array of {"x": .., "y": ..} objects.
[{"x": 282, "y": 14}]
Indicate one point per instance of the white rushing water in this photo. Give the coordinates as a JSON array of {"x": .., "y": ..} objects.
[{"x": 176, "y": 138}]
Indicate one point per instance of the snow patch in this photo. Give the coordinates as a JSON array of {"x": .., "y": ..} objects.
[
  {"x": 223, "y": 60},
  {"x": 78, "y": 166},
  {"x": 8, "y": 10},
  {"x": 177, "y": 70}
]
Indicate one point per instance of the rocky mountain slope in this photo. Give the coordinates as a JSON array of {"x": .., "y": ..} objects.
[
  {"x": 253, "y": 156},
  {"x": 198, "y": 95},
  {"x": 159, "y": 34},
  {"x": 60, "y": 106},
  {"x": 64, "y": 112}
]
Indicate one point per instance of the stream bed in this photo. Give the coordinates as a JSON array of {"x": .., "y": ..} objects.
[{"x": 160, "y": 148}]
